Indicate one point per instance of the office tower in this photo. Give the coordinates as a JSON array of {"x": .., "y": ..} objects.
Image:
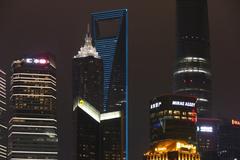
[
  {"x": 98, "y": 135},
  {"x": 3, "y": 116},
  {"x": 172, "y": 128},
  {"x": 33, "y": 125},
  {"x": 112, "y": 136},
  {"x": 86, "y": 131},
  {"x": 110, "y": 36},
  {"x": 88, "y": 75},
  {"x": 192, "y": 75},
  {"x": 229, "y": 140},
  {"x": 172, "y": 150},
  {"x": 173, "y": 117},
  {"x": 88, "y": 97},
  {"x": 208, "y": 137}
]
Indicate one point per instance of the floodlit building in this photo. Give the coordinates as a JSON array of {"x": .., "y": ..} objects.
[
  {"x": 3, "y": 116},
  {"x": 170, "y": 149},
  {"x": 32, "y": 132},
  {"x": 173, "y": 117},
  {"x": 192, "y": 75}
]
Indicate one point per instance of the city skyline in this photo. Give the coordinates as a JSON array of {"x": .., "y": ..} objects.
[{"x": 158, "y": 50}]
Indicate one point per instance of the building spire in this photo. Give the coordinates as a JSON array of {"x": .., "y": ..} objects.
[
  {"x": 87, "y": 49},
  {"x": 88, "y": 38}
]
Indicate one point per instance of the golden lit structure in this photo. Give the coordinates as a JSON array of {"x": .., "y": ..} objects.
[{"x": 172, "y": 150}]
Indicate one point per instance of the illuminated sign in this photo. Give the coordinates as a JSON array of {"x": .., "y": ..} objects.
[
  {"x": 155, "y": 105},
  {"x": 235, "y": 122},
  {"x": 208, "y": 129},
  {"x": 180, "y": 145},
  {"x": 36, "y": 61},
  {"x": 181, "y": 103}
]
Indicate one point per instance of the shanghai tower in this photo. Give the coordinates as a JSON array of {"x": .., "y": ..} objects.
[{"x": 192, "y": 74}]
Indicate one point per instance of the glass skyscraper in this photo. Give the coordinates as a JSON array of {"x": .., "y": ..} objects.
[
  {"x": 110, "y": 36},
  {"x": 3, "y": 116},
  {"x": 192, "y": 75},
  {"x": 33, "y": 126},
  {"x": 87, "y": 81}
]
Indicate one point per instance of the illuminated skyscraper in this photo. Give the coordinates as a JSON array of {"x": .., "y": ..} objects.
[
  {"x": 192, "y": 75},
  {"x": 173, "y": 117},
  {"x": 88, "y": 75},
  {"x": 172, "y": 128},
  {"x": 33, "y": 125},
  {"x": 3, "y": 116},
  {"x": 87, "y": 90},
  {"x": 110, "y": 36}
]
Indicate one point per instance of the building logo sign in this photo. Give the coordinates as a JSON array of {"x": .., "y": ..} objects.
[
  {"x": 208, "y": 129},
  {"x": 182, "y": 103},
  {"x": 36, "y": 61},
  {"x": 235, "y": 122},
  {"x": 155, "y": 105}
]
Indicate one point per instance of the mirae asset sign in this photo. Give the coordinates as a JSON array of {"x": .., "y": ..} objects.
[{"x": 176, "y": 103}]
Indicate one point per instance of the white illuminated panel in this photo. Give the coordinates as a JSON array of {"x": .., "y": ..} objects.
[
  {"x": 36, "y": 61},
  {"x": 155, "y": 105},
  {"x": 202, "y": 99},
  {"x": 185, "y": 70},
  {"x": 32, "y": 133},
  {"x": 25, "y": 86},
  {"x": 32, "y": 119},
  {"x": 33, "y": 74},
  {"x": 89, "y": 109},
  {"x": 208, "y": 129},
  {"x": 182, "y": 103},
  {"x": 32, "y": 152},
  {"x": 110, "y": 115},
  {"x": 33, "y": 95},
  {"x": 32, "y": 126}
]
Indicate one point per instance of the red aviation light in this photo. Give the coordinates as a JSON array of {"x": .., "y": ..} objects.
[{"x": 194, "y": 116}]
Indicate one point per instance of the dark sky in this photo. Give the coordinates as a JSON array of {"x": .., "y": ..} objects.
[{"x": 58, "y": 26}]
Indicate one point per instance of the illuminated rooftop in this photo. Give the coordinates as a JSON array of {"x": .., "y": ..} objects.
[
  {"x": 88, "y": 49},
  {"x": 171, "y": 145}
]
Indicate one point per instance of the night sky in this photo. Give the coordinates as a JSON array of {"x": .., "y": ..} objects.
[{"x": 59, "y": 26}]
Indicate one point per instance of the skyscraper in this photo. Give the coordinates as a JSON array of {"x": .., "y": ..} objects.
[
  {"x": 173, "y": 117},
  {"x": 110, "y": 36},
  {"x": 33, "y": 125},
  {"x": 87, "y": 75},
  {"x": 229, "y": 140},
  {"x": 192, "y": 75},
  {"x": 172, "y": 128},
  {"x": 3, "y": 116}
]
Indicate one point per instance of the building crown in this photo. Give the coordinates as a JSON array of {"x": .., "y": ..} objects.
[{"x": 88, "y": 49}]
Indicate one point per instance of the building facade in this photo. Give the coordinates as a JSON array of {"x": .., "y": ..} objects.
[
  {"x": 172, "y": 150},
  {"x": 208, "y": 137},
  {"x": 110, "y": 36},
  {"x": 229, "y": 140},
  {"x": 87, "y": 76},
  {"x": 173, "y": 117},
  {"x": 3, "y": 116},
  {"x": 32, "y": 130},
  {"x": 192, "y": 75}
]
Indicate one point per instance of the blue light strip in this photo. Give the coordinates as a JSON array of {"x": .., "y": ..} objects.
[
  {"x": 106, "y": 46},
  {"x": 126, "y": 84}
]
